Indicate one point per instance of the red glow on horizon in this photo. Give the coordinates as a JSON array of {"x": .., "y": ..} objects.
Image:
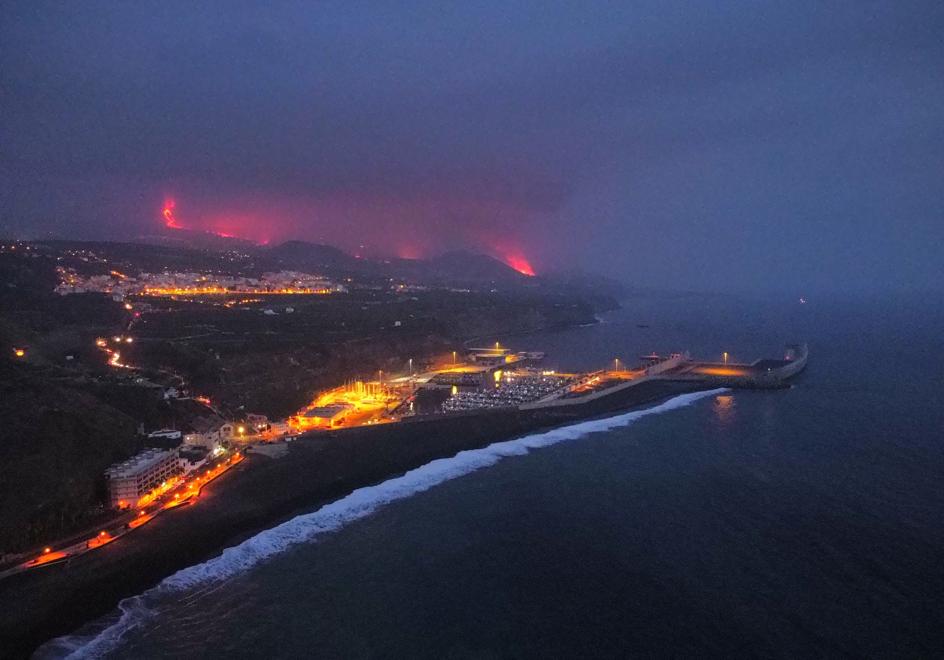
[
  {"x": 169, "y": 220},
  {"x": 385, "y": 228},
  {"x": 409, "y": 252},
  {"x": 221, "y": 229},
  {"x": 520, "y": 264},
  {"x": 514, "y": 257}
]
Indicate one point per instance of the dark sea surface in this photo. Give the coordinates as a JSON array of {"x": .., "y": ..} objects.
[{"x": 806, "y": 522}]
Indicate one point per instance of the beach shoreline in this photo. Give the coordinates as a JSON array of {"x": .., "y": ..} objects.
[{"x": 259, "y": 494}]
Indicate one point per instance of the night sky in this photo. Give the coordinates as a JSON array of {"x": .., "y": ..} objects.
[{"x": 752, "y": 145}]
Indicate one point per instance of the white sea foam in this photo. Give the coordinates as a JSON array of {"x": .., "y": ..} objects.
[{"x": 331, "y": 517}]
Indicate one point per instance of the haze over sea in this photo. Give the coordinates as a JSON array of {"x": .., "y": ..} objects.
[{"x": 801, "y": 522}]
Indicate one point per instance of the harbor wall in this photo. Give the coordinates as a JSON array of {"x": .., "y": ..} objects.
[{"x": 774, "y": 378}]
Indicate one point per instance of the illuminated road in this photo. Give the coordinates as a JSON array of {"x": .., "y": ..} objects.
[{"x": 185, "y": 492}]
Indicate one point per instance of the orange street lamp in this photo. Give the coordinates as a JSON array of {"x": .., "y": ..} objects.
[
  {"x": 19, "y": 352},
  {"x": 453, "y": 357}
]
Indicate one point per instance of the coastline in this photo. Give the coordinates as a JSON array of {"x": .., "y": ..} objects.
[
  {"x": 554, "y": 327},
  {"x": 55, "y": 601}
]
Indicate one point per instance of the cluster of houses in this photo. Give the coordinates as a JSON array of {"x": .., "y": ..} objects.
[{"x": 119, "y": 285}]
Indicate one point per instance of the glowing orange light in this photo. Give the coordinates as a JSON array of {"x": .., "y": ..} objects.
[
  {"x": 19, "y": 352},
  {"x": 409, "y": 252},
  {"x": 46, "y": 557},
  {"x": 168, "y": 212},
  {"x": 520, "y": 264}
]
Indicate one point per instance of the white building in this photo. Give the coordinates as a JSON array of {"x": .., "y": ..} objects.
[
  {"x": 164, "y": 434},
  {"x": 279, "y": 428},
  {"x": 130, "y": 480},
  {"x": 208, "y": 431}
]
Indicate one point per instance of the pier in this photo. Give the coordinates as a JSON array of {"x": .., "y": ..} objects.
[{"x": 760, "y": 374}]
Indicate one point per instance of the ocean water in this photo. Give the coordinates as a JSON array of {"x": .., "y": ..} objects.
[{"x": 801, "y": 522}]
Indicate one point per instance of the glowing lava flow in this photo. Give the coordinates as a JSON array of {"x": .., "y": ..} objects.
[
  {"x": 512, "y": 256},
  {"x": 168, "y": 213},
  {"x": 520, "y": 264},
  {"x": 169, "y": 216}
]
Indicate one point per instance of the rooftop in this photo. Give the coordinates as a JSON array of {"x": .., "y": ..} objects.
[
  {"x": 137, "y": 463},
  {"x": 329, "y": 410}
]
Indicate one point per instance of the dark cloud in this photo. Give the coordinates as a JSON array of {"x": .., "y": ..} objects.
[{"x": 749, "y": 145}]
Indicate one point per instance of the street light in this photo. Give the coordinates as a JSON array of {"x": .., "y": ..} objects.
[
  {"x": 725, "y": 356},
  {"x": 616, "y": 362},
  {"x": 453, "y": 357},
  {"x": 411, "y": 366}
]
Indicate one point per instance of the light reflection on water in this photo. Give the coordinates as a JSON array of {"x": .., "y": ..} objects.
[{"x": 724, "y": 408}]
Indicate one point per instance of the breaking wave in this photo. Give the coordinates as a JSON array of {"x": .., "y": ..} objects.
[{"x": 332, "y": 517}]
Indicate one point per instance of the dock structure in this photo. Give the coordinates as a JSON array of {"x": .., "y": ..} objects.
[
  {"x": 498, "y": 379},
  {"x": 680, "y": 368},
  {"x": 760, "y": 374}
]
